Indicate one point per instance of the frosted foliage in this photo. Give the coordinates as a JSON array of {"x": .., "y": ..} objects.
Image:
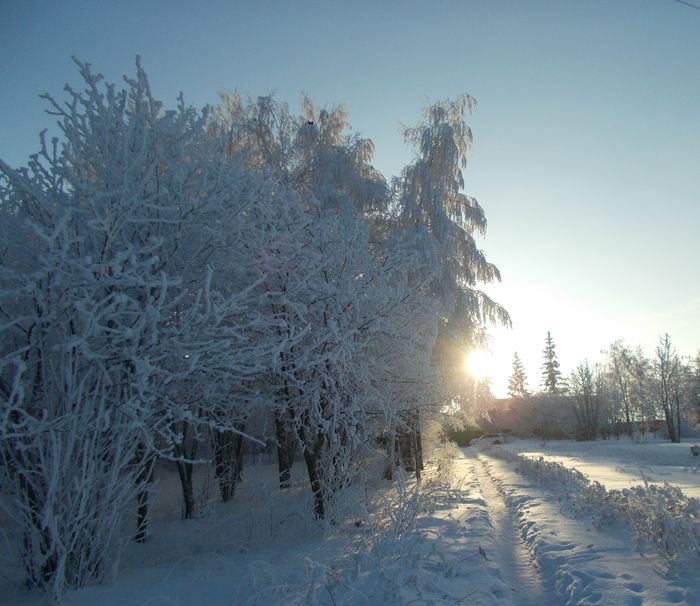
[
  {"x": 628, "y": 377},
  {"x": 431, "y": 199},
  {"x": 432, "y": 208},
  {"x": 118, "y": 302},
  {"x": 174, "y": 281},
  {"x": 312, "y": 152},
  {"x": 76, "y": 479}
]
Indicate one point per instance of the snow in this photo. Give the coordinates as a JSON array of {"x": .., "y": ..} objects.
[
  {"x": 519, "y": 567},
  {"x": 583, "y": 564},
  {"x": 264, "y": 548},
  {"x": 477, "y": 531},
  {"x": 623, "y": 463}
]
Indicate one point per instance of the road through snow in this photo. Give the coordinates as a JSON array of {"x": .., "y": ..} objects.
[
  {"x": 518, "y": 565},
  {"x": 578, "y": 563}
]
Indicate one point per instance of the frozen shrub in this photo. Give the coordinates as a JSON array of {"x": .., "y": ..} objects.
[{"x": 659, "y": 515}]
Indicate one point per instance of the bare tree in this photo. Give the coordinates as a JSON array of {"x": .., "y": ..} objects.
[
  {"x": 586, "y": 386},
  {"x": 621, "y": 377},
  {"x": 671, "y": 382}
]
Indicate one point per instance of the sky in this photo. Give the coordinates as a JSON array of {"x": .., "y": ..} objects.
[{"x": 586, "y": 154}]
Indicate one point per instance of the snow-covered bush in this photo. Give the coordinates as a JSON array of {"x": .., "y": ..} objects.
[
  {"x": 71, "y": 470},
  {"x": 74, "y": 419},
  {"x": 125, "y": 325},
  {"x": 661, "y": 516}
]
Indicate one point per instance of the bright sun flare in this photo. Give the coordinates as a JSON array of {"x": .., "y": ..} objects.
[{"x": 478, "y": 363}]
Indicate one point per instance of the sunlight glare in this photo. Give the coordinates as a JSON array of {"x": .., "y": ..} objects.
[{"x": 478, "y": 363}]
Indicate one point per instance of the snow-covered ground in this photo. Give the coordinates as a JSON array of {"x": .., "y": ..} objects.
[
  {"x": 580, "y": 560},
  {"x": 485, "y": 529},
  {"x": 623, "y": 463},
  {"x": 264, "y": 549}
]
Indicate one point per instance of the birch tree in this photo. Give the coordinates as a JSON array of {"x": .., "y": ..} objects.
[
  {"x": 442, "y": 220},
  {"x": 667, "y": 375},
  {"x": 587, "y": 388}
]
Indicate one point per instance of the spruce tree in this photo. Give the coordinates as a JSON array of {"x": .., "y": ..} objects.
[
  {"x": 517, "y": 387},
  {"x": 551, "y": 375}
]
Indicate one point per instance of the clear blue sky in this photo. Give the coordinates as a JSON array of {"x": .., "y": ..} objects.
[{"x": 586, "y": 155}]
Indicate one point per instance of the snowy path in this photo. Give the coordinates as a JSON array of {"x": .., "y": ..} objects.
[
  {"x": 519, "y": 567},
  {"x": 581, "y": 564}
]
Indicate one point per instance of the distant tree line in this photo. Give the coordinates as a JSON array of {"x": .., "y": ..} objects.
[{"x": 627, "y": 394}]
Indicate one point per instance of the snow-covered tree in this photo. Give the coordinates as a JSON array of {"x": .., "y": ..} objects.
[
  {"x": 551, "y": 375},
  {"x": 517, "y": 382},
  {"x": 79, "y": 403},
  {"x": 625, "y": 376},
  {"x": 330, "y": 170},
  {"x": 444, "y": 219},
  {"x": 432, "y": 210},
  {"x": 666, "y": 378},
  {"x": 169, "y": 275},
  {"x": 326, "y": 277}
]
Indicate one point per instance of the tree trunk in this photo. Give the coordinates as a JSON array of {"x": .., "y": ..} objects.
[
  {"x": 186, "y": 450},
  {"x": 313, "y": 459},
  {"x": 630, "y": 424},
  {"x": 406, "y": 455},
  {"x": 390, "y": 455},
  {"x": 184, "y": 470},
  {"x": 419, "y": 445},
  {"x": 414, "y": 444},
  {"x": 670, "y": 425},
  {"x": 286, "y": 446},
  {"x": 144, "y": 478},
  {"x": 228, "y": 447}
]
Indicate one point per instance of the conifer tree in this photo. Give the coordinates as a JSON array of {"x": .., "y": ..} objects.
[
  {"x": 551, "y": 375},
  {"x": 517, "y": 383}
]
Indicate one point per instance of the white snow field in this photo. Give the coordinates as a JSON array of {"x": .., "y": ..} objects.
[
  {"x": 623, "y": 463},
  {"x": 490, "y": 528}
]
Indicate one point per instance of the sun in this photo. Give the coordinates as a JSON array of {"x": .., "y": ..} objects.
[{"x": 478, "y": 363}]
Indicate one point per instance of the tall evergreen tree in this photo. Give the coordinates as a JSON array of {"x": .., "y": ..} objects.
[
  {"x": 551, "y": 375},
  {"x": 517, "y": 383}
]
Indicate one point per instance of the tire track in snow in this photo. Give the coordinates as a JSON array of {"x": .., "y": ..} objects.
[
  {"x": 582, "y": 563},
  {"x": 518, "y": 566}
]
